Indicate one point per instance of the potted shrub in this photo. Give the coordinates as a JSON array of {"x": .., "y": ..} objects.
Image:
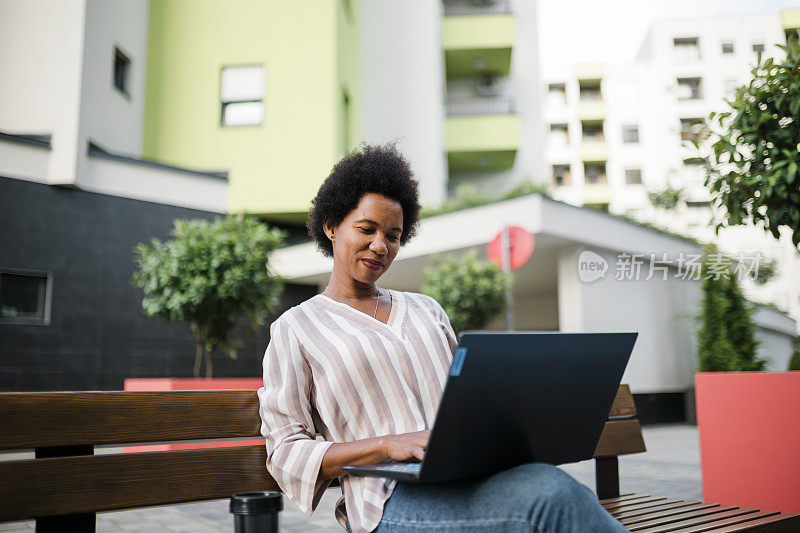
[
  {"x": 747, "y": 419},
  {"x": 471, "y": 291},
  {"x": 213, "y": 275}
]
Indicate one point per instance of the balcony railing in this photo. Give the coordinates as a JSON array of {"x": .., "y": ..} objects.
[
  {"x": 480, "y": 106},
  {"x": 455, "y": 8}
]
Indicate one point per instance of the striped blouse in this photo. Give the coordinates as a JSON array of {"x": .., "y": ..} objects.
[{"x": 332, "y": 370}]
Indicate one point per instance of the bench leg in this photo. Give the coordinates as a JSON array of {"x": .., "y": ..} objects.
[
  {"x": 606, "y": 473},
  {"x": 73, "y": 523}
]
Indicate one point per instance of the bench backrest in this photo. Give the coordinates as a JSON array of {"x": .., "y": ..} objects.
[
  {"x": 64, "y": 427},
  {"x": 66, "y": 478}
]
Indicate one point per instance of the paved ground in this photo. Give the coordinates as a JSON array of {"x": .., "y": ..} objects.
[{"x": 671, "y": 467}]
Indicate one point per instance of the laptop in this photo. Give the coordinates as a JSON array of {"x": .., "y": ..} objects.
[{"x": 514, "y": 397}]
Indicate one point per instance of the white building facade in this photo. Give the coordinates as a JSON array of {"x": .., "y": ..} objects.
[{"x": 620, "y": 130}]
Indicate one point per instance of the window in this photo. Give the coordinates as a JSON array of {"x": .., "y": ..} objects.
[
  {"x": 689, "y": 88},
  {"x": 727, "y": 47},
  {"x": 242, "y": 94},
  {"x": 692, "y": 129},
  {"x": 562, "y": 175},
  {"x": 686, "y": 48},
  {"x": 633, "y": 176},
  {"x": 559, "y": 135},
  {"x": 758, "y": 47},
  {"x": 592, "y": 132},
  {"x": 557, "y": 94},
  {"x": 595, "y": 172},
  {"x": 630, "y": 134},
  {"x": 122, "y": 67},
  {"x": 25, "y": 297},
  {"x": 590, "y": 93}
]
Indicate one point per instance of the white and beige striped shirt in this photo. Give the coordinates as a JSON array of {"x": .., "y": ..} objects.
[{"x": 332, "y": 370}]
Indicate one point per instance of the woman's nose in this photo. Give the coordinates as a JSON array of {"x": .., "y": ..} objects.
[{"x": 378, "y": 245}]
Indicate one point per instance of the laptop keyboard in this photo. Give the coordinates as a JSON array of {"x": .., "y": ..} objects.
[{"x": 406, "y": 468}]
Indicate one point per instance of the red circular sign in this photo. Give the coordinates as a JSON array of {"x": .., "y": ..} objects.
[{"x": 522, "y": 244}]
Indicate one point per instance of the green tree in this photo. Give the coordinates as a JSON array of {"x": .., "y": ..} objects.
[
  {"x": 470, "y": 290},
  {"x": 794, "y": 362},
  {"x": 766, "y": 272},
  {"x": 726, "y": 337},
  {"x": 752, "y": 168},
  {"x": 741, "y": 327},
  {"x": 212, "y": 275},
  {"x": 668, "y": 198}
]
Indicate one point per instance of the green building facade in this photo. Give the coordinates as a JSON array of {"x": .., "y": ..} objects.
[{"x": 305, "y": 55}]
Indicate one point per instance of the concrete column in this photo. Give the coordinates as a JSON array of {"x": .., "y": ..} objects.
[{"x": 570, "y": 291}]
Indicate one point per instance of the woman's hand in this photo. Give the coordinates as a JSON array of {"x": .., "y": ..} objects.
[{"x": 406, "y": 446}]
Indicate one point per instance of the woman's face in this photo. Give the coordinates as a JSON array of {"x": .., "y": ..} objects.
[{"x": 368, "y": 239}]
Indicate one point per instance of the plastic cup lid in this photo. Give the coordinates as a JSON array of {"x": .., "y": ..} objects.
[{"x": 269, "y": 501}]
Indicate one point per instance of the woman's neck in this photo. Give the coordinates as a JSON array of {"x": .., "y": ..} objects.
[{"x": 345, "y": 287}]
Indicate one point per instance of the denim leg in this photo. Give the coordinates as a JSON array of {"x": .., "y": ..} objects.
[{"x": 531, "y": 497}]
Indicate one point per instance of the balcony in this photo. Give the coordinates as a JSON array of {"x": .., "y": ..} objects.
[
  {"x": 790, "y": 19},
  {"x": 479, "y": 106},
  {"x": 596, "y": 193},
  {"x": 466, "y": 7},
  {"x": 591, "y": 110},
  {"x": 594, "y": 151},
  {"x": 478, "y": 44},
  {"x": 481, "y": 142}
]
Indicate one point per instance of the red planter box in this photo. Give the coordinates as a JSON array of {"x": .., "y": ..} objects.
[
  {"x": 749, "y": 429},
  {"x": 165, "y": 384}
]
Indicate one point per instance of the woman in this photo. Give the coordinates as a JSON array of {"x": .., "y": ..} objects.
[{"x": 365, "y": 367}]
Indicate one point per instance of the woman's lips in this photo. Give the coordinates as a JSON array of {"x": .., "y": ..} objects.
[{"x": 371, "y": 264}]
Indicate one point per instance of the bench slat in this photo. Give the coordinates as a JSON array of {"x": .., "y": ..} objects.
[
  {"x": 643, "y": 515},
  {"x": 90, "y": 418},
  {"x": 620, "y": 437},
  {"x": 781, "y": 523},
  {"x": 742, "y": 520},
  {"x": 685, "y": 524},
  {"x": 67, "y": 485},
  {"x": 623, "y": 497},
  {"x": 677, "y": 515},
  {"x": 615, "y": 506},
  {"x": 658, "y": 503}
]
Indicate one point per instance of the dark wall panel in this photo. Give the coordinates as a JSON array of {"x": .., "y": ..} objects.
[{"x": 98, "y": 334}]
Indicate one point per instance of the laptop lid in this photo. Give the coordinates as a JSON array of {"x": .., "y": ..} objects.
[{"x": 514, "y": 397}]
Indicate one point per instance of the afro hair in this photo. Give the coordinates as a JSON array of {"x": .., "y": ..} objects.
[{"x": 368, "y": 169}]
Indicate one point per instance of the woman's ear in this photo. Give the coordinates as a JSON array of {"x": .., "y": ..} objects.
[{"x": 326, "y": 227}]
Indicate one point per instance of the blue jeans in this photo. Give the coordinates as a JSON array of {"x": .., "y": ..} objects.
[{"x": 533, "y": 497}]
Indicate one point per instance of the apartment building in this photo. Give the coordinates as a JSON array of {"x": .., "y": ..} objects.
[
  {"x": 616, "y": 132},
  {"x": 117, "y": 117}
]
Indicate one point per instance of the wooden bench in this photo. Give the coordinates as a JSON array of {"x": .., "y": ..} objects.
[{"x": 66, "y": 484}]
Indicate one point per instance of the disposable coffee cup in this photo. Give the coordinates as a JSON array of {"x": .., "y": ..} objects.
[{"x": 256, "y": 512}]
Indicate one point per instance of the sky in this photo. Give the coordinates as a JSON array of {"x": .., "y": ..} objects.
[{"x": 565, "y": 24}]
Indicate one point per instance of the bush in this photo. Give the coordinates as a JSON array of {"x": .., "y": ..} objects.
[
  {"x": 668, "y": 198},
  {"x": 211, "y": 274},
  {"x": 794, "y": 362},
  {"x": 726, "y": 338},
  {"x": 470, "y": 290}
]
